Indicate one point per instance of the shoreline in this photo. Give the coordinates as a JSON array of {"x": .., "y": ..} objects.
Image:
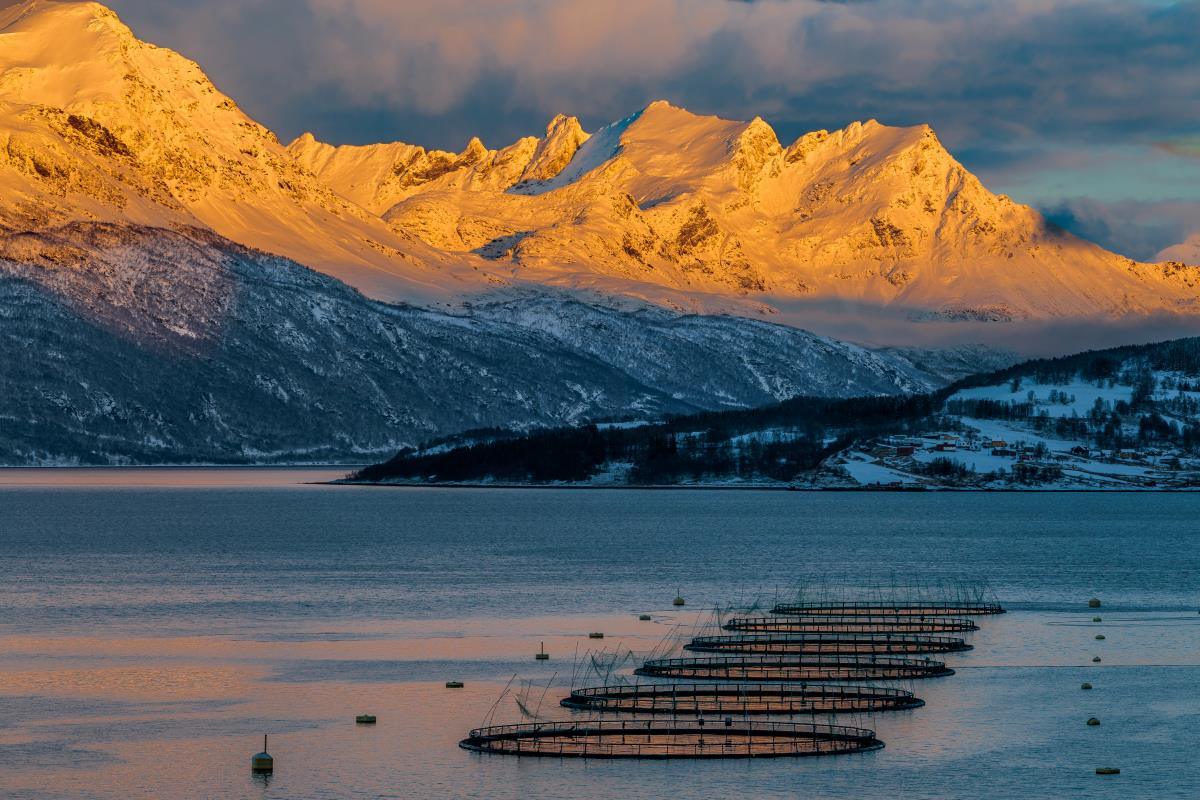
[
  {"x": 212, "y": 466},
  {"x": 759, "y": 488}
]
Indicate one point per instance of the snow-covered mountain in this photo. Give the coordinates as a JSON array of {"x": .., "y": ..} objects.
[
  {"x": 134, "y": 344},
  {"x": 99, "y": 126},
  {"x": 1122, "y": 419},
  {"x": 869, "y": 213},
  {"x": 180, "y": 286}
]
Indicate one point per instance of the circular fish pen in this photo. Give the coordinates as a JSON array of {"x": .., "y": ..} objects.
[
  {"x": 852, "y": 624},
  {"x": 669, "y": 738},
  {"x": 794, "y": 669},
  {"x": 833, "y": 644},
  {"x": 740, "y": 699},
  {"x": 957, "y": 609}
]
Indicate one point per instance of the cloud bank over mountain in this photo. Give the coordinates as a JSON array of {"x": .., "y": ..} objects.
[{"x": 969, "y": 68}]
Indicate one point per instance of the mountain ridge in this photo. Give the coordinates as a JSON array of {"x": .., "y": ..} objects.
[
  {"x": 868, "y": 213},
  {"x": 666, "y": 206}
]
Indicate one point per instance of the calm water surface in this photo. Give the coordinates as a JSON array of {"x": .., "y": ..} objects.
[{"x": 152, "y": 631}]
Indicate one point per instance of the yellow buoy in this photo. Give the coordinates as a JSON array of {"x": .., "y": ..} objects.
[
  {"x": 1100, "y": 636},
  {"x": 1093, "y": 721},
  {"x": 595, "y": 635},
  {"x": 262, "y": 762},
  {"x": 1107, "y": 771},
  {"x": 454, "y": 684},
  {"x": 542, "y": 655},
  {"x": 644, "y": 617},
  {"x": 1094, "y": 602},
  {"x": 1086, "y": 686},
  {"x": 678, "y": 601}
]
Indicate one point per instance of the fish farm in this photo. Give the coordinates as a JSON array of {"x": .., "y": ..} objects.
[
  {"x": 807, "y": 658},
  {"x": 788, "y": 669},
  {"x": 671, "y": 738},
  {"x": 954, "y": 609},
  {"x": 833, "y": 644},
  {"x": 740, "y": 699},
  {"x": 852, "y": 624}
]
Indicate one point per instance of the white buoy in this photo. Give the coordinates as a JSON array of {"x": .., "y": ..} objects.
[{"x": 262, "y": 762}]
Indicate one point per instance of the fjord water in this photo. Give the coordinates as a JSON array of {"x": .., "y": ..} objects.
[{"x": 157, "y": 623}]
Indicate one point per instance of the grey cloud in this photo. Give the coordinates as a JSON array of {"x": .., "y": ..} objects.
[
  {"x": 994, "y": 71},
  {"x": 1137, "y": 230}
]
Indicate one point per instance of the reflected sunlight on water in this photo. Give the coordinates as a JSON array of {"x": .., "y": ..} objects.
[{"x": 147, "y": 652}]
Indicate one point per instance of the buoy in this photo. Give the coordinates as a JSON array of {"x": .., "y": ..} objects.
[
  {"x": 454, "y": 684},
  {"x": 1093, "y": 721},
  {"x": 644, "y": 617},
  {"x": 595, "y": 635},
  {"x": 1094, "y": 603},
  {"x": 1086, "y": 686},
  {"x": 1095, "y": 619},
  {"x": 262, "y": 762},
  {"x": 1096, "y": 660},
  {"x": 365, "y": 719},
  {"x": 678, "y": 601},
  {"x": 1099, "y": 635},
  {"x": 1107, "y": 771},
  {"x": 542, "y": 655}
]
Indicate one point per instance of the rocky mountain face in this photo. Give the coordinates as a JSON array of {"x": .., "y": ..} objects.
[{"x": 130, "y": 344}]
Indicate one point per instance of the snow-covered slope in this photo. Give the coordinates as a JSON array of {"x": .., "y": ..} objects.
[
  {"x": 869, "y": 213},
  {"x": 1121, "y": 419},
  {"x": 135, "y": 344},
  {"x": 96, "y": 125}
]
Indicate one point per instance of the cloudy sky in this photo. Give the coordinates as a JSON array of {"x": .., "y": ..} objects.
[{"x": 1088, "y": 109}]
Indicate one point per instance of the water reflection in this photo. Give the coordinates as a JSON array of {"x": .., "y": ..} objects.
[
  {"x": 257, "y": 477},
  {"x": 127, "y": 706},
  {"x": 144, "y": 654}
]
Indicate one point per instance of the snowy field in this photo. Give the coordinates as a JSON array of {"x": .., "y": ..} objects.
[{"x": 1026, "y": 448}]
